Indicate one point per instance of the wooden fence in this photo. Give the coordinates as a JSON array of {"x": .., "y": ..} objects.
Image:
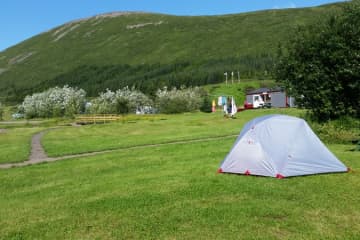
[{"x": 97, "y": 118}]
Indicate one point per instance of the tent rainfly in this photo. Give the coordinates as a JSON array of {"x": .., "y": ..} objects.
[{"x": 279, "y": 146}]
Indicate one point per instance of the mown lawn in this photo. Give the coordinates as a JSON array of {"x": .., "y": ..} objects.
[
  {"x": 159, "y": 129},
  {"x": 173, "y": 192}
]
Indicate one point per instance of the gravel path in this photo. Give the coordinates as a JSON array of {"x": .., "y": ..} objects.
[
  {"x": 2, "y": 130},
  {"x": 38, "y": 154},
  {"x": 37, "y": 151}
]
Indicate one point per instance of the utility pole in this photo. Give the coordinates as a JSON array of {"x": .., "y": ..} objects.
[
  {"x": 232, "y": 77},
  {"x": 239, "y": 76}
]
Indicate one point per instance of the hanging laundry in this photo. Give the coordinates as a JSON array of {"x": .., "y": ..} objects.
[
  {"x": 233, "y": 107},
  {"x": 220, "y": 101},
  {"x": 229, "y": 105},
  {"x": 224, "y": 102},
  {"x": 225, "y": 109}
]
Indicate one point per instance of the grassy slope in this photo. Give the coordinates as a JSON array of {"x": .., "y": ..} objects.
[
  {"x": 102, "y": 41},
  {"x": 236, "y": 89},
  {"x": 173, "y": 192}
]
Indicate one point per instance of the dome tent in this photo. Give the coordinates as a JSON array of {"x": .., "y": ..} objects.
[{"x": 279, "y": 146}]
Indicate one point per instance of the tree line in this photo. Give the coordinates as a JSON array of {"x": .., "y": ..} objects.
[{"x": 148, "y": 78}]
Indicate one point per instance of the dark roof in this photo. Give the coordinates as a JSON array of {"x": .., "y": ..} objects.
[
  {"x": 262, "y": 90},
  {"x": 257, "y": 91}
]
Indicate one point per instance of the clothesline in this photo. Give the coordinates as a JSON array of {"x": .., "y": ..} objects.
[
  {"x": 227, "y": 102},
  {"x": 221, "y": 95}
]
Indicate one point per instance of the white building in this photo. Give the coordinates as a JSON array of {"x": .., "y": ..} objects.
[{"x": 266, "y": 97}]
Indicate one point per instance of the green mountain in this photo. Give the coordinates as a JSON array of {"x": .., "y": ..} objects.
[{"x": 149, "y": 50}]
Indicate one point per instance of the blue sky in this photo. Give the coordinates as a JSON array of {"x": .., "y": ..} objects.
[{"x": 22, "y": 19}]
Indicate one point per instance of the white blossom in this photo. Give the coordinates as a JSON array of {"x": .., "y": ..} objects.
[
  {"x": 178, "y": 100},
  {"x": 54, "y": 102},
  {"x": 122, "y": 101}
]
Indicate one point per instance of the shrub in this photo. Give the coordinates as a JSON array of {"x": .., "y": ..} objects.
[
  {"x": 344, "y": 130},
  {"x": 178, "y": 100},
  {"x": 206, "y": 105}
]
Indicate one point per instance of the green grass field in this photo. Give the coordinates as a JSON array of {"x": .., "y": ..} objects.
[
  {"x": 142, "y": 131},
  {"x": 171, "y": 191}
]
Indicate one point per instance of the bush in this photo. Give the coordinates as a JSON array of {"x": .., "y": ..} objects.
[
  {"x": 206, "y": 105},
  {"x": 178, "y": 100},
  {"x": 120, "y": 102},
  {"x": 55, "y": 102},
  {"x": 344, "y": 130}
]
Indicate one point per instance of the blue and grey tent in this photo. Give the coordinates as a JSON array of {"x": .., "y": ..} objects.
[{"x": 279, "y": 146}]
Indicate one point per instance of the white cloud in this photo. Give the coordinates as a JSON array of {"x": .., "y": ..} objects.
[{"x": 288, "y": 5}]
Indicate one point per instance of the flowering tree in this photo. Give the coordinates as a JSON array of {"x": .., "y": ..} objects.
[
  {"x": 122, "y": 101},
  {"x": 55, "y": 102},
  {"x": 178, "y": 100}
]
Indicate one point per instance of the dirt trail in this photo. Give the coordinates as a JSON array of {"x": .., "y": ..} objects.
[
  {"x": 38, "y": 154},
  {"x": 37, "y": 151},
  {"x": 2, "y": 130}
]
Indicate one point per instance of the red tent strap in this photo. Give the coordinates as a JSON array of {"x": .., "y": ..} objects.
[
  {"x": 247, "y": 172},
  {"x": 279, "y": 176},
  {"x": 219, "y": 170}
]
